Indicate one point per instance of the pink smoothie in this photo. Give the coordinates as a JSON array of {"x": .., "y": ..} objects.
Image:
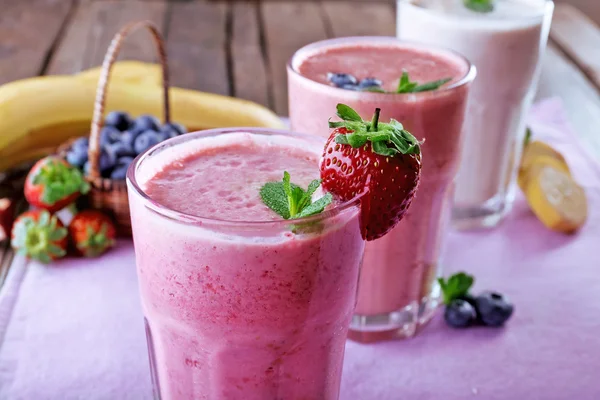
[
  {"x": 399, "y": 269},
  {"x": 241, "y": 310}
]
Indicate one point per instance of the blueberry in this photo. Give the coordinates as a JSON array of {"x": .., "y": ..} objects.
[
  {"x": 124, "y": 160},
  {"x": 118, "y": 119},
  {"x": 172, "y": 129},
  {"x": 119, "y": 172},
  {"x": 119, "y": 149},
  {"x": 350, "y": 87},
  {"x": 340, "y": 80},
  {"x": 146, "y": 140},
  {"x": 81, "y": 144},
  {"x": 145, "y": 123},
  {"x": 86, "y": 168},
  {"x": 107, "y": 163},
  {"x": 109, "y": 135},
  {"x": 493, "y": 309},
  {"x": 369, "y": 83},
  {"x": 77, "y": 156},
  {"x": 128, "y": 138},
  {"x": 459, "y": 314}
]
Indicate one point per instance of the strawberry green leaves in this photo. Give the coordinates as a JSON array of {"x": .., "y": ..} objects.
[
  {"x": 59, "y": 181},
  {"x": 407, "y": 86},
  {"x": 290, "y": 201},
  {"x": 482, "y": 6},
  {"x": 456, "y": 286},
  {"x": 386, "y": 139}
]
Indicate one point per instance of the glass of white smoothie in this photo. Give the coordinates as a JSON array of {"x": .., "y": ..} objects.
[{"x": 505, "y": 39}]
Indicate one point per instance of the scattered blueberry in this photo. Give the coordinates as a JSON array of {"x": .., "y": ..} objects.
[
  {"x": 459, "y": 314},
  {"x": 118, "y": 119},
  {"x": 340, "y": 79},
  {"x": 77, "y": 156},
  {"x": 146, "y": 140},
  {"x": 145, "y": 123},
  {"x": 172, "y": 129},
  {"x": 493, "y": 309},
  {"x": 369, "y": 83},
  {"x": 81, "y": 143},
  {"x": 108, "y": 135},
  {"x": 118, "y": 149}
]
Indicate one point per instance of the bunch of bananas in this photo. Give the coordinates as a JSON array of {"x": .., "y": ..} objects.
[{"x": 38, "y": 114}]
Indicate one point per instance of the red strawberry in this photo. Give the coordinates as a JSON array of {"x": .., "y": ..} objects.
[
  {"x": 53, "y": 184},
  {"x": 39, "y": 235},
  {"x": 92, "y": 233},
  {"x": 381, "y": 160}
]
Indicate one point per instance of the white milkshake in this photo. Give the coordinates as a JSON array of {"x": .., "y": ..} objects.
[{"x": 505, "y": 45}]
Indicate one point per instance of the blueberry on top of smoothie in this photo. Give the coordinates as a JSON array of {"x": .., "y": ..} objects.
[
  {"x": 341, "y": 80},
  {"x": 370, "y": 83}
]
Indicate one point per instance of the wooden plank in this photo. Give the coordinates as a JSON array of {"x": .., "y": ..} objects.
[
  {"x": 92, "y": 28},
  {"x": 247, "y": 61},
  {"x": 579, "y": 38},
  {"x": 288, "y": 26},
  {"x": 28, "y": 30},
  {"x": 197, "y": 43},
  {"x": 591, "y": 8},
  {"x": 360, "y": 19},
  {"x": 560, "y": 77}
]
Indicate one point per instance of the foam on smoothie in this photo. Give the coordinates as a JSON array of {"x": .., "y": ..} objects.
[
  {"x": 380, "y": 60},
  {"x": 220, "y": 177}
]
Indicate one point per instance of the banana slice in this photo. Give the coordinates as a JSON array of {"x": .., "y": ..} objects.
[
  {"x": 556, "y": 199},
  {"x": 531, "y": 168}
]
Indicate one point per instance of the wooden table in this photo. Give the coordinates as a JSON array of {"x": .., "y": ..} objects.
[{"x": 240, "y": 48}]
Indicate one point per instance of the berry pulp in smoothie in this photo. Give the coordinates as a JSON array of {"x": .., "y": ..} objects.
[
  {"x": 240, "y": 304},
  {"x": 397, "y": 281}
]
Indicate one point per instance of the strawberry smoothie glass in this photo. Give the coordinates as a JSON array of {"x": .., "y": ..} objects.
[
  {"x": 398, "y": 291},
  {"x": 239, "y": 303}
]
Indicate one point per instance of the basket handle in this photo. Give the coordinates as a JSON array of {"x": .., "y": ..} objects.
[{"x": 100, "y": 102}]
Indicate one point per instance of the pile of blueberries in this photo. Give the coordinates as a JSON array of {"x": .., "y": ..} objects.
[
  {"x": 488, "y": 308},
  {"x": 349, "y": 82},
  {"x": 121, "y": 139}
]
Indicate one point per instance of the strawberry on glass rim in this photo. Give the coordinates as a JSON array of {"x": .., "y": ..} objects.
[{"x": 381, "y": 160}]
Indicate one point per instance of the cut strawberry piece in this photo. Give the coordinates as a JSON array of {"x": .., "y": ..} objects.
[
  {"x": 383, "y": 161},
  {"x": 39, "y": 235}
]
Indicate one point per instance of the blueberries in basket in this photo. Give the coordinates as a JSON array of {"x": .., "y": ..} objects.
[
  {"x": 172, "y": 129},
  {"x": 120, "y": 170},
  {"x": 82, "y": 143},
  {"x": 128, "y": 138},
  {"x": 146, "y": 140},
  {"x": 106, "y": 163},
  {"x": 145, "y": 123},
  {"x": 459, "y": 314},
  {"x": 118, "y": 119},
  {"x": 369, "y": 83},
  {"x": 77, "y": 156},
  {"x": 340, "y": 79},
  {"x": 493, "y": 309},
  {"x": 108, "y": 135},
  {"x": 118, "y": 149}
]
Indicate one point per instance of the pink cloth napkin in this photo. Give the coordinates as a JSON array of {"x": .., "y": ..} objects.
[{"x": 74, "y": 330}]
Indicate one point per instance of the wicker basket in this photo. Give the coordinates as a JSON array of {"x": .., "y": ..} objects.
[{"x": 110, "y": 195}]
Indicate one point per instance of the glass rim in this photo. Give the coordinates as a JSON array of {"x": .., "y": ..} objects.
[
  {"x": 467, "y": 78},
  {"x": 186, "y": 218}
]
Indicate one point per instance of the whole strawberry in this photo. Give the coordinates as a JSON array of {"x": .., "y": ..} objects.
[
  {"x": 39, "y": 235},
  {"x": 92, "y": 233},
  {"x": 53, "y": 184},
  {"x": 382, "y": 161}
]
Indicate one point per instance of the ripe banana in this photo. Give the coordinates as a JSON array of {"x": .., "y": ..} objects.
[
  {"x": 136, "y": 72},
  {"x": 38, "y": 114}
]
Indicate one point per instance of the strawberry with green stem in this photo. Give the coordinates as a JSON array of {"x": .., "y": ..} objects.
[
  {"x": 53, "y": 184},
  {"x": 92, "y": 233},
  {"x": 381, "y": 161},
  {"x": 39, "y": 235}
]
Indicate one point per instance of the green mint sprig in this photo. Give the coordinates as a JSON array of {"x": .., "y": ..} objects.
[
  {"x": 387, "y": 139},
  {"x": 482, "y": 6},
  {"x": 456, "y": 286},
  {"x": 407, "y": 86},
  {"x": 290, "y": 201}
]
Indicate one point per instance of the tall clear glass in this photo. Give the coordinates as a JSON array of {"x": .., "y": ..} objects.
[
  {"x": 255, "y": 310},
  {"x": 398, "y": 290},
  {"x": 506, "y": 44}
]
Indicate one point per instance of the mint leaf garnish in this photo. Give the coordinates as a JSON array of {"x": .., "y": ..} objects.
[
  {"x": 347, "y": 114},
  {"x": 291, "y": 201},
  {"x": 456, "y": 286},
  {"x": 386, "y": 139},
  {"x": 482, "y": 6},
  {"x": 407, "y": 86}
]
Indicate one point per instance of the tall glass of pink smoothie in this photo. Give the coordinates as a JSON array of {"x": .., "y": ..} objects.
[
  {"x": 398, "y": 290},
  {"x": 505, "y": 40},
  {"x": 240, "y": 303}
]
